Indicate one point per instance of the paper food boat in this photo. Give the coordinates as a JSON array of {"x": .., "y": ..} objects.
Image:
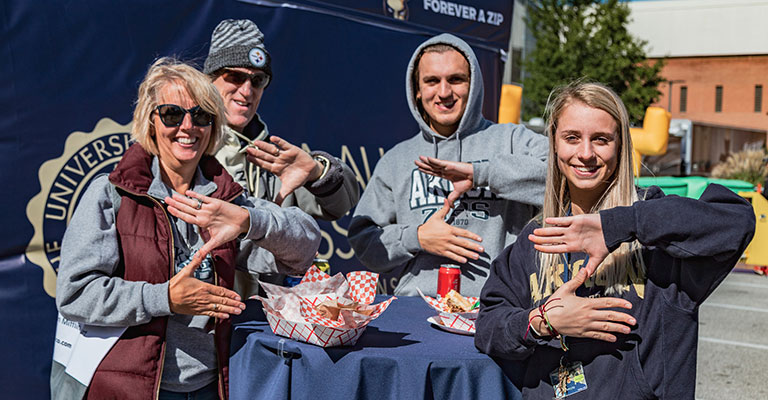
[
  {"x": 463, "y": 321},
  {"x": 291, "y": 311}
]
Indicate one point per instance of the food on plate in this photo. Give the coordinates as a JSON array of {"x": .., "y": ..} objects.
[
  {"x": 331, "y": 308},
  {"x": 454, "y": 302}
]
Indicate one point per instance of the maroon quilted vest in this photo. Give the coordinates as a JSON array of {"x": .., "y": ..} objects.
[{"x": 133, "y": 367}]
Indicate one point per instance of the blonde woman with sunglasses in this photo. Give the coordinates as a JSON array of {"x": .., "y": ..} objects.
[
  {"x": 599, "y": 296},
  {"x": 152, "y": 248}
]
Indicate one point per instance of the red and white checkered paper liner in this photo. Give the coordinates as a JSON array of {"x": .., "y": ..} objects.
[
  {"x": 291, "y": 311},
  {"x": 464, "y": 321}
]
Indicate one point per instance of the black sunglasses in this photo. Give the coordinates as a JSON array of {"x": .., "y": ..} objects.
[
  {"x": 258, "y": 80},
  {"x": 172, "y": 115}
]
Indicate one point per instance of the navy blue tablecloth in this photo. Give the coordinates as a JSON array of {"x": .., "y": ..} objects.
[{"x": 399, "y": 356}]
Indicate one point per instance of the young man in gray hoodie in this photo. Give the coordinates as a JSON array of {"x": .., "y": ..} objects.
[{"x": 474, "y": 185}]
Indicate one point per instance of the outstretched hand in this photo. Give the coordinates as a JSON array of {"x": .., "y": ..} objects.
[
  {"x": 224, "y": 221},
  {"x": 292, "y": 165},
  {"x": 191, "y": 296},
  {"x": 576, "y": 316},
  {"x": 439, "y": 238},
  {"x": 461, "y": 174},
  {"x": 578, "y": 233}
]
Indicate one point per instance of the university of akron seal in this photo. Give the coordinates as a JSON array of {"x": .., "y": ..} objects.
[{"x": 62, "y": 182}]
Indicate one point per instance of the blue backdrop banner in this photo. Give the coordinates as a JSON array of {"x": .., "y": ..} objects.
[
  {"x": 486, "y": 21},
  {"x": 70, "y": 75}
]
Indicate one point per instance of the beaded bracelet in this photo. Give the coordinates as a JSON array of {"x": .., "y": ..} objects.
[
  {"x": 555, "y": 333},
  {"x": 543, "y": 315},
  {"x": 552, "y": 329}
]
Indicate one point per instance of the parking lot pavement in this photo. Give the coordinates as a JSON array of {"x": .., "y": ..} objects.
[{"x": 733, "y": 340}]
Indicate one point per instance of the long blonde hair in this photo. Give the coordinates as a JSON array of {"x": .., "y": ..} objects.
[{"x": 615, "y": 269}]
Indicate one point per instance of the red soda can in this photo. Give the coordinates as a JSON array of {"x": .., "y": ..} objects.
[{"x": 448, "y": 278}]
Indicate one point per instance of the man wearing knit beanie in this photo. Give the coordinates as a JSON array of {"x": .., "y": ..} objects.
[{"x": 269, "y": 167}]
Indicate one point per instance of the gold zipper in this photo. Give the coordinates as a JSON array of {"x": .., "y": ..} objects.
[
  {"x": 160, "y": 374},
  {"x": 173, "y": 260},
  {"x": 215, "y": 344},
  {"x": 216, "y": 282}
]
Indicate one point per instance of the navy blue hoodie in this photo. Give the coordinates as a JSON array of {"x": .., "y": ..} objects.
[{"x": 689, "y": 247}]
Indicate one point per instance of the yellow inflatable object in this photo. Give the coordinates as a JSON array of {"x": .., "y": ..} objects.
[
  {"x": 757, "y": 251},
  {"x": 509, "y": 104},
  {"x": 652, "y": 138}
]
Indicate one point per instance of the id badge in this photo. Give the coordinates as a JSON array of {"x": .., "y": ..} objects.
[{"x": 568, "y": 379}]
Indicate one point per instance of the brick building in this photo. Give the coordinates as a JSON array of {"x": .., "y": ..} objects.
[
  {"x": 716, "y": 55},
  {"x": 721, "y": 90},
  {"x": 717, "y": 58}
]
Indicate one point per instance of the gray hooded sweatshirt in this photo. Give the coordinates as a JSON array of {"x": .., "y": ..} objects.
[{"x": 509, "y": 172}]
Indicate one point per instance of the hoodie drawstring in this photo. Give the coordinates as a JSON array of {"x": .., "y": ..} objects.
[
  {"x": 253, "y": 187},
  {"x": 253, "y": 182},
  {"x": 458, "y": 156},
  {"x": 458, "y": 149}
]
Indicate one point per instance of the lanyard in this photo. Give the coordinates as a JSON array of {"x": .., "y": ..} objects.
[
  {"x": 567, "y": 266},
  {"x": 567, "y": 256}
]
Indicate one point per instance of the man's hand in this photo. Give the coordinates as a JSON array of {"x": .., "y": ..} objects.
[
  {"x": 437, "y": 237},
  {"x": 224, "y": 221},
  {"x": 191, "y": 296},
  {"x": 576, "y": 316},
  {"x": 460, "y": 173},
  {"x": 292, "y": 165},
  {"x": 579, "y": 233}
]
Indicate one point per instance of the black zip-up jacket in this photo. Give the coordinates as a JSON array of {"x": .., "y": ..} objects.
[{"x": 689, "y": 247}]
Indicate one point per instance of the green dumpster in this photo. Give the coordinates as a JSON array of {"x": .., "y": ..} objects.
[
  {"x": 691, "y": 186},
  {"x": 668, "y": 184},
  {"x": 734, "y": 184}
]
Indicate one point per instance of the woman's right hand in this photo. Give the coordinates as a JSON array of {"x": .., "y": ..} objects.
[
  {"x": 189, "y": 295},
  {"x": 224, "y": 221},
  {"x": 576, "y": 316}
]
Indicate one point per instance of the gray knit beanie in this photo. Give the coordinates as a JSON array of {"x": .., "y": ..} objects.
[{"x": 237, "y": 43}]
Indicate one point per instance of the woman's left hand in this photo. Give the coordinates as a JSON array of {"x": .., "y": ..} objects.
[
  {"x": 191, "y": 296},
  {"x": 224, "y": 221},
  {"x": 578, "y": 233},
  {"x": 576, "y": 316}
]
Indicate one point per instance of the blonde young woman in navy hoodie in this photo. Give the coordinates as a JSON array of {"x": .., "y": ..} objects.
[{"x": 601, "y": 302}]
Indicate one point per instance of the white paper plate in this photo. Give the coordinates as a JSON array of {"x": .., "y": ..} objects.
[{"x": 436, "y": 321}]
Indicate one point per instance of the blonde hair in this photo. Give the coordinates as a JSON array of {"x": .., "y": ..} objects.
[
  {"x": 615, "y": 269},
  {"x": 198, "y": 86}
]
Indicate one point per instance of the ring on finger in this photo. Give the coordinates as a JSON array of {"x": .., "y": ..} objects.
[
  {"x": 277, "y": 152},
  {"x": 199, "y": 203},
  {"x": 215, "y": 307}
]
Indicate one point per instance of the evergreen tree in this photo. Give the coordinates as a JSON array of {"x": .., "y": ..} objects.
[{"x": 587, "y": 39}]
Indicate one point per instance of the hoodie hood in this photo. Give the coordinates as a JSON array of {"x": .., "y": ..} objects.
[{"x": 472, "y": 120}]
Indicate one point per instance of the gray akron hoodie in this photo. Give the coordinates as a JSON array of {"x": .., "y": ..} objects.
[{"x": 509, "y": 173}]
